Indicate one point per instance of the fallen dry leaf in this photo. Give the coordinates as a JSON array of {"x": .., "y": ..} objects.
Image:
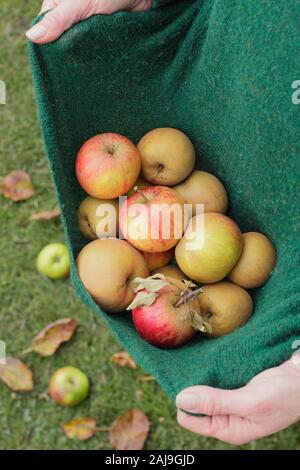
[
  {"x": 123, "y": 359},
  {"x": 129, "y": 431},
  {"x": 146, "y": 378},
  {"x": 16, "y": 375},
  {"x": 80, "y": 428},
  {"x": 52, "y": 336},
  {"x": 17, "y": 186},
  {"x": 46, "y": 215}
]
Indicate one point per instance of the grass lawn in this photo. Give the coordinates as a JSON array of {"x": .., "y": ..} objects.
[{"x": 29, "y": 302}]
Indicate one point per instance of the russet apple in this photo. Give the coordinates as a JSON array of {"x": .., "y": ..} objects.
[
  {"x": 99, "y": 218},
  {"x": 203, "y": 188},
  {"x": 53, "y": 261},
  {"x": 256, "y": 263},
  {"x": 162, "y": 323},
  {"x": 168, "y": 156},
  {"x": 107, "y": 268},
  {"x": 68, "y": 386},
  {"x": 210, "y": 248},
  {"x": 157, "y": 260},
  {"x": 171, "y": 271},
  {"x": 152, "y": 219},
  {"x": 225, "y": 307},
  {"x": 107, "y": 165}
]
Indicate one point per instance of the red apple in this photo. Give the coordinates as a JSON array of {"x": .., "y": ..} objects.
[
  {"x": 108, "y": 165},
  {"x": 152, "y": 219},
  {"x": 158, "y": 260},
  {"x": 162, "y": 323}
]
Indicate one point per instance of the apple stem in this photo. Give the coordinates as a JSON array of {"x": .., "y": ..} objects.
[{"x": 188, "y": 296}]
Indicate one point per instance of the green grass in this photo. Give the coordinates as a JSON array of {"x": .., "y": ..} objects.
[{"x": 29, "y": 301}]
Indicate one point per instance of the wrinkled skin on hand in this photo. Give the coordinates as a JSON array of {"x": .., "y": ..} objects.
[{"x": 65, "y": 13}]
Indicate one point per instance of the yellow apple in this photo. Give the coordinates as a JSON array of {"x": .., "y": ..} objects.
[
  {"x": 210, "y": 248},
  {"x": 203, "y": 188},
  {"x": 168, "y": 156},
  {"x": 107, "y": 269},
  {"x": 99, "y": 218},
  {"x": 256, "y": 263},
  {"x": 225, "y": 307}
]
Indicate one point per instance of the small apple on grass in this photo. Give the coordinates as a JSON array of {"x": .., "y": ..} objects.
[
  {"x": 108, "y": 165},
  {"x": 53, "y": 261},
  {"x": 68, "y": 386}
]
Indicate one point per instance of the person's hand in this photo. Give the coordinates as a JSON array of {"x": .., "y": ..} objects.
[
  {"x": 267, "y": 404},
  {"x": 65, "y": 13}
]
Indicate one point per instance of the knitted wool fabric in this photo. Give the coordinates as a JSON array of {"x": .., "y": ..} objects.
[{"x": 221, "y": 71}]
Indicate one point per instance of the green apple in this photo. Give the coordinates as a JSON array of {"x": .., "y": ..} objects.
[
  {"x": 210, "y": 248},
  {"x": 69, "y": 386},
  {"x": 54, "y": 261}
]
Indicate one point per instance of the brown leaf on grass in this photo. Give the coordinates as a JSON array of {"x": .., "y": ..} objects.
[
  {"x": 52, "y": 336},
  {"x": 80, "y": 428},
  {"x": 129, "y": 431},
  {"x": 146, "y": 378},
  {"x": 17, "y": 186},
  {"x": 16, "y": 375},
  {"x": 123, "y": 359},
  {"x": 46, "y": 215}
]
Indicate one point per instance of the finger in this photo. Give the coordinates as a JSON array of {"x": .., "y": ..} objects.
[
  {"x": 214, "y": 401},
  {"x": 231, "y": 429},
  {"x": 56, "y": 22}
]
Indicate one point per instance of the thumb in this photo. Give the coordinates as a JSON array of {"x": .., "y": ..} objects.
[
  {"x": 214, "y": 401},
  {"x": 56, "y": 22},
  {"x": 68, "y": 12}
]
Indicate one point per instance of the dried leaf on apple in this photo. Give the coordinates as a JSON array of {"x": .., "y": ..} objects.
[
  {"x": 17, "y": 186},
  {"x": 130, "y": 430},
  {"x": 141, "y": 299},
  {"x": 151, "y": 284},
  {"x": 123, "y": 359},
  {"x": 52, "y": 336},
  {"x": 16, "y": 375},
  {"x": 46, "y": 215},
  {"x": 80, "y": 428}
]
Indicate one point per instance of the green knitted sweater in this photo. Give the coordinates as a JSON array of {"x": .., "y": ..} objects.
[{"x": 221, "y": 71}]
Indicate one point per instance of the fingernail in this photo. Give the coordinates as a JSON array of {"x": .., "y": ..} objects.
[
  {"x": 36, "y": 32},
  {"x": 187, "y": 401}
]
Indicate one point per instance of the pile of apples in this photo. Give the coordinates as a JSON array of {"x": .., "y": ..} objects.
[{"x": 179, "y": 269}]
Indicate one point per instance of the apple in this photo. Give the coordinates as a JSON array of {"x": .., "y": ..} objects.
[
  {"x": 99, "y": 218},
  {"x": 203, "y": 188},
  {"x": 157, "y": 260},
  {"x": 107, "y": 165},
  {"x": 209, "y": 251},
  {"x": 139, "y": 184},
  {"x": 168, "y": 156},
  {"x": 68, "y": 386},
  {"x": 107, "y": 269},
  {"x": 152, "y": 219},
  {"x": 53, "y": 261},
  {"x": 162, "y": 323},
  {"x": 256, "y": 263},
  {"x": 170, "y": 271},
  {"x": 225, "y": 307}
]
